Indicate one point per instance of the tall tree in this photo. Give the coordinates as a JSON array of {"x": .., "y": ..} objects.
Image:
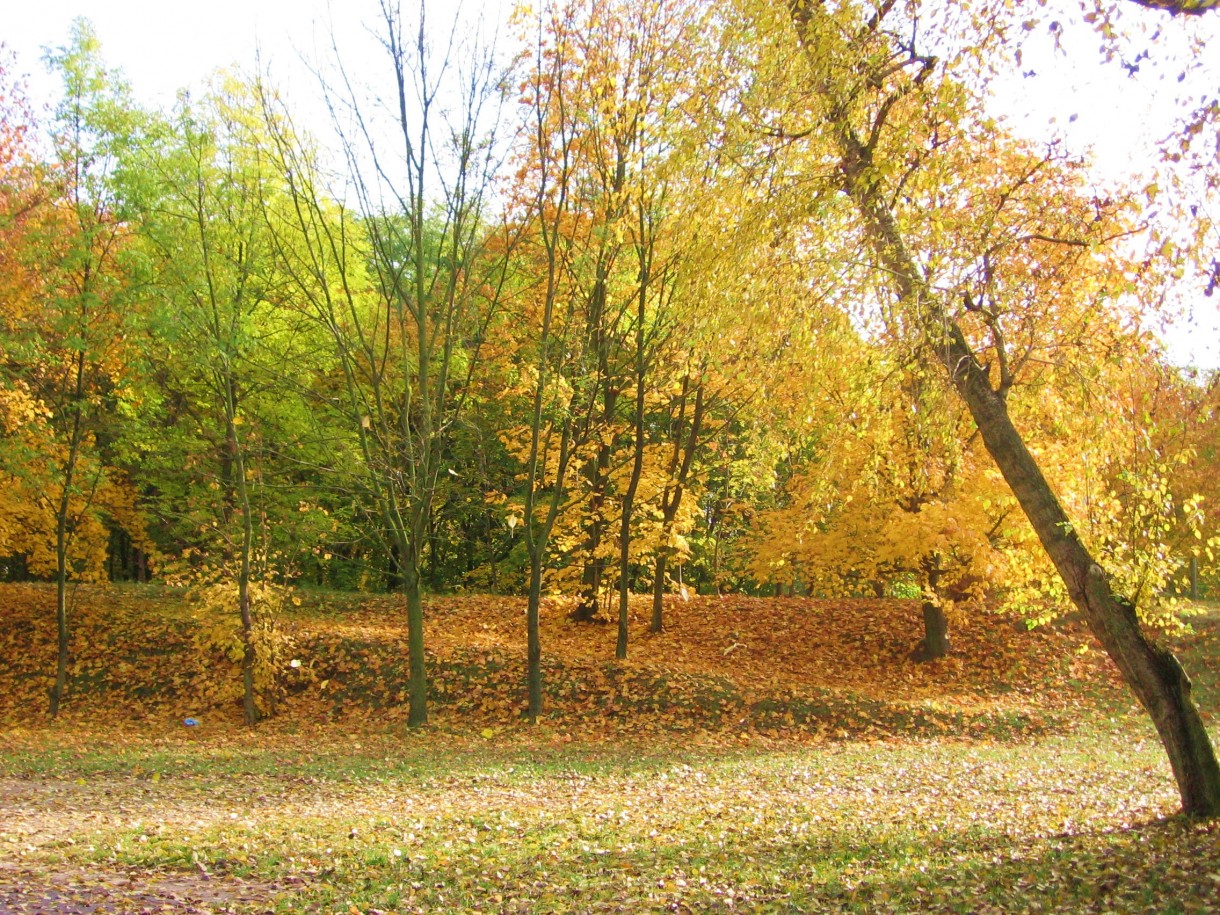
[
  {"x": 862, "y": 73},
  {"x": 69, "y": 348},
  {"x": 547, "y": 305},
  {"x": 405, "y": 282},
  {"x": 204, "y": 188}
]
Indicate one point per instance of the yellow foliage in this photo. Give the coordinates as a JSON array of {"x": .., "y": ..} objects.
[{"x": 219, "y": 637}]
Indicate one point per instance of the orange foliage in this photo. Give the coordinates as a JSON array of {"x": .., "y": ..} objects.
[{"x": 805, "y": 668}]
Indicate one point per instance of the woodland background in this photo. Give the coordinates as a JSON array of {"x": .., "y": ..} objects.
[
  {"x": 757, "y": 465},
  {"x": 628, "y": 309}
]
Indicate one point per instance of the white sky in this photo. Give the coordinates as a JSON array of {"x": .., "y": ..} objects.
[
  {"x": 1117, "y": 117},
  {"x": 165, "y": 45}
]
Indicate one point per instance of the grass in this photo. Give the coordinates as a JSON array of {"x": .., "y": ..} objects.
[
  {"x": 425, "y": 823},
  {"x": 359, "y": 815}
]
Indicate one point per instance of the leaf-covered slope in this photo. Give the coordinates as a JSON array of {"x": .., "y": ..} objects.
[{"x": 795, "y": 665}]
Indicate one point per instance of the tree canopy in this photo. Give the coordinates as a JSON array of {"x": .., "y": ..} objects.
[{"x": 687, "y": 296}]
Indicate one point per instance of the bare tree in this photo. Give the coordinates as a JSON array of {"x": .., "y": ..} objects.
[{"x": 404, "y": 280}]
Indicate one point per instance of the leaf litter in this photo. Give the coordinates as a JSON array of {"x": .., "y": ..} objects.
[{"x": 333, "y": 806}]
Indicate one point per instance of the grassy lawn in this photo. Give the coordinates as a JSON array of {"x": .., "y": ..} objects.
[
  {"x": 527, "y": 823},
  {"x": 355, "y": 814}
]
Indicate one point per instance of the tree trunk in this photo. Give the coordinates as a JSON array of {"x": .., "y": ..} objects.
[
  {"x": 935, "y": 623},
  {"x": 417, "y": 676},
  {"x": 588, "y": 603},
  {"x": 936, "y": 632},
  {"x": 61, "y": 596},
  {"x": 1152, "y": 672},
  {"x": 658, "y": 592},
  {"x": 624, "y": 559},
  {"x": 534, "y": 645},
  {"x": 61, "y": 641},
  {"x": 1194, "y": 577},
  {"x": 671, "y": 497},
  {"x": 249, "y": 708},
  {"x": 238, "y": 459},
  {"x": 637, "y": 464},
  {"x": 62, "y": 540}
]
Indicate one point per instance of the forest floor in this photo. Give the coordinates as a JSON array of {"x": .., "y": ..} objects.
[{"x": 775, "y": 755}]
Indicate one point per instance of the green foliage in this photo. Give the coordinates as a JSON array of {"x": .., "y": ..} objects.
[{"x": 266, "y": 325}]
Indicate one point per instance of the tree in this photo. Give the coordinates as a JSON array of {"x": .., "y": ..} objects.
[
  {"x": 203, "y": 189},
  {"x": 404, "y": 285},
  {"x": 904, "y": 496},
  {"x": 24, "y": 196},
  {"x": 67, "y": 347},
  {"x": 548, "y": 309},
  {"x": 1180, "y": 7},
  {"x": 858, "y": 114}
]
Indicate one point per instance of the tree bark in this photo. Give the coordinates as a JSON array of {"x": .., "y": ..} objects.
[
  {"x": 658, "y": 592},
  {"x": 680, "y": 464},
  {"x": 533, "y": 648},
  {"x": 599, "y": 329},
  {"x": 588, "y": 602},
  {"x": 63, "y": 536},
  {"x": 936, "y": 632},
  {"x": 935, "y": 624},
  {"x": 417, "y": 713},
  {"x": 244, "y": 572}
]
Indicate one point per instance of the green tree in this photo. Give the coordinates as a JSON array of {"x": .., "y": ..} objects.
[
  {"x": 227, "y": 366},
  {"x": 403, "y": 284}
]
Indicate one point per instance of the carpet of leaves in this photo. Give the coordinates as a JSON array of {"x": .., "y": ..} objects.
[
  {"x": 431, "y": 823},
  {"x": 788, "y": 667},
  {"x": 758, "y": 756}
]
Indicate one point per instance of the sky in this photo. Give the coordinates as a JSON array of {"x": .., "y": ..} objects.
[{"x": 164, "y": 46}]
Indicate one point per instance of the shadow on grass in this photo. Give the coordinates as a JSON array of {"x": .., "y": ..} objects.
[{"x": 1165, "y": 866}]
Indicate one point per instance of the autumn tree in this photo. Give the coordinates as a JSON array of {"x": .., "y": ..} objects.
[
  {"x": 972, "y": 326},
  {"x": 548, "y": 309},
  {"x": 403, "y": 281},
  {"x": 1145, "y": 497},
  {"x": 227, "y": 351},
  {"x": 24, "y": 198},
  {"x": 65, "y": 344}
]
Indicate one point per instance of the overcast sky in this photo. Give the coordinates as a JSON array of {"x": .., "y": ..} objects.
[{"x": 162, "y": 46}]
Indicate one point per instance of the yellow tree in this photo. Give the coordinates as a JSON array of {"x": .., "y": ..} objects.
[
  {"x": 905, "y": 494},
  {"x": 886, "y": 117},
  {"x": 67, "y": 354},
  {"x": 24, "y": 202}
]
